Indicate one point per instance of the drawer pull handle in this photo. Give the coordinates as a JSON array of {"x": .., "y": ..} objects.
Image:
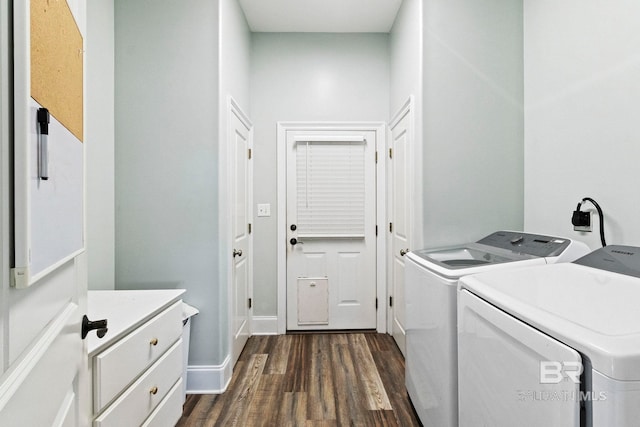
[
  {"x": 153, "y": 390},
  {"x": 154, "y": 341}
]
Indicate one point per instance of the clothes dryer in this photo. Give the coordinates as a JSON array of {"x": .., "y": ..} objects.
[
  {"x": 554, "y": 345},
  {"x": 431, "y": 279}
]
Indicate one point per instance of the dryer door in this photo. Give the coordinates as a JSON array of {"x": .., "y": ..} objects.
[{"x": 510, "y": 374}]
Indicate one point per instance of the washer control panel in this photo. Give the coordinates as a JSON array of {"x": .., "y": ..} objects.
[{"x": 525, "y": 243}]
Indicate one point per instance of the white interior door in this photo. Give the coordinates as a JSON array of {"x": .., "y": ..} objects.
[
  {"x": 240, "y": 146},
  {"x": 331, "y": 229},
  {"x": 44, "y": 376},
  {"x": 400, "y": 217}
]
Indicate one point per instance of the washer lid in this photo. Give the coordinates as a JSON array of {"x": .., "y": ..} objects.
[
  {"x": 464, "y": 256},
  {"x": 594, "y": 311},
  {"x": 472, "y": 258},
  {"x": 495, "y": 249}
]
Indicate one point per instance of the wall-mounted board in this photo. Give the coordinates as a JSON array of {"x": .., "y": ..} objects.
[{"x": 48, "y": 72}]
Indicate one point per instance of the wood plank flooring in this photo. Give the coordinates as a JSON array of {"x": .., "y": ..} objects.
[{"x": 353, "y": 379}]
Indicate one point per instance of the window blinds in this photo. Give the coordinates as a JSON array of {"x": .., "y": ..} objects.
[{"x": 330, "y": 188}]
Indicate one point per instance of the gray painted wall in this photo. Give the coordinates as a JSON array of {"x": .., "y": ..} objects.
[
  {"x": 406, "y": 80},
  {"x": 473, "y": 165},
  {"x": 166, "y": 92},
  {"x": 234, "y": 59},
  {"x": 305, "y": 77},
  {"x": 100, "y": 139},
  {"x": 405, "y": 62},
  {"x": 582, "y": 62}
]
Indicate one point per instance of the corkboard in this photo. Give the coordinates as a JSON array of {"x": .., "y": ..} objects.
[{"x": 56, "y": 63}]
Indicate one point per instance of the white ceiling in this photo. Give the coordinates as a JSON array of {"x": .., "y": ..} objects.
[{"x": 321, "y": 16}]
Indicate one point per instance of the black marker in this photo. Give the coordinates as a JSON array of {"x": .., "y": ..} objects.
[{"x": 43, "y": 149}]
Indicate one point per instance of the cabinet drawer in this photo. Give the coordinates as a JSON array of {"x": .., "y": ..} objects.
[
  {"x": 138, "y": 401},
  {"x": 169, "y": 410},
  {"x": 118, "y": 366}
]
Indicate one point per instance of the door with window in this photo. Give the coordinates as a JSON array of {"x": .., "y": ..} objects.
[{"x": 331, "y": 229}]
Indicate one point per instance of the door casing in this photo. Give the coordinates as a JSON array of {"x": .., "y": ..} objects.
[
  {"x": 395, "y": 262},
  {"x": 234, "y": 109},
  {"x": 381, "y": 287}
]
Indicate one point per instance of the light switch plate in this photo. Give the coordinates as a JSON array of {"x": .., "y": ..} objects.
[{"x": 264, "y": 209}]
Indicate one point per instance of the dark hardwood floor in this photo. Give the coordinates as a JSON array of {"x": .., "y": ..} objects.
[{"x": 353, "y": 379}]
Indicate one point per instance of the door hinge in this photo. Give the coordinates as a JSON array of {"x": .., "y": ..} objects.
[
  {"x": 250, "y": 303},
  {"x": 390, "y": 227},
  {"x": 391, "y": 153},
  {"x": 249, "y": 152},
  {"x": 249, "y": 228},
  {"x": 376, "y": 156},
  {"x": 376, "y": 230},
  {"x": 376, "y": 303},
  {"x": 391, "y": 301}
]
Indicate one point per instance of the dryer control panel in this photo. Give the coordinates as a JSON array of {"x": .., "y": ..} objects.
[
  {"x": 525, "y": 243},
  {"x": 614, "y": 258}
]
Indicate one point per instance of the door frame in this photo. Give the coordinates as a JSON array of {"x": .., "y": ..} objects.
[{"x": 380, "y": 130}]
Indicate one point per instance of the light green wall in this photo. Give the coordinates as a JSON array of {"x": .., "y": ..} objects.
[
  {"x": 305, "y": 77},
  {"x": 166, "y": 158},
  {"x": 473, "y": 119},
  {"x": 582, "y": 87},
  {"x": 100, "y": 153}
]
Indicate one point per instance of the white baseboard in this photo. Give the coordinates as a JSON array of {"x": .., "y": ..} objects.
[
  {"x": 209, "y": 379},
  {"x": 214, "y": 379},
  {"x": 264, "y": 325}
]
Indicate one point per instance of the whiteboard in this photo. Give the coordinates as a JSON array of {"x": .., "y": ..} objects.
[{"x": 56, "y": 204}]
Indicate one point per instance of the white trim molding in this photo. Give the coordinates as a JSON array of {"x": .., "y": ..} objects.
[
  {"x": 209, "y": 379},
  {"x": 264, "y": 325}
]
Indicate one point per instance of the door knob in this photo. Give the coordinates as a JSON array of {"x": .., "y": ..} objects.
[
  {"x": 88, "y": 325},
  {"x": 293, "y": 241},
  {"x": 293, "y": 227},
  {"x": 403, "y": 252},
  {"x": 237, "y": 252}
]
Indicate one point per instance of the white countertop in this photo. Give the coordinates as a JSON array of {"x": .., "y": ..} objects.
[{"x": 124, "y": 311}]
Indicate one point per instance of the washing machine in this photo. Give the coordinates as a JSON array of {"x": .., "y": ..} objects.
[
  {"x": 431, "y": 279},
  {"x": 554, "y": 345}
]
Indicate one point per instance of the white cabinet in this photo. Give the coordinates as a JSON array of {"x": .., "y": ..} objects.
[{"x": 136, "y": 368}]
